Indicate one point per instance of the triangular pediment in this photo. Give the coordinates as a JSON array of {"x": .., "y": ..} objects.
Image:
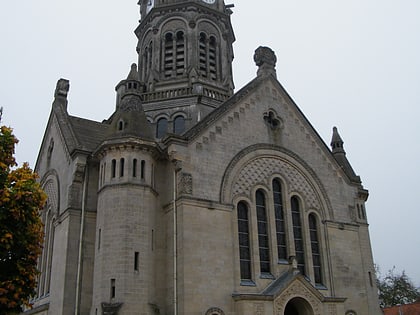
[
  {"x": 261, "y": 112},
  {"x": 298, "y": 287},
  {"x": 289, "y": 287}
]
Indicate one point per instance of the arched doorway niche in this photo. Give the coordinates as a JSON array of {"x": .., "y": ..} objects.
[{"x": 298, "y": 306}]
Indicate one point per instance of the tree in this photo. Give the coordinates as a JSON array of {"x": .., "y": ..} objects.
[
  {"x": 396, "y": 289},
  {"x": 21, "y": 229}
]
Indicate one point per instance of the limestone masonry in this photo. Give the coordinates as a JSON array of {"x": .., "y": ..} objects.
[{"x": 192, "y": 199}]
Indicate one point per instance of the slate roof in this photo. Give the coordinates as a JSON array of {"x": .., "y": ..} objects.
[{"x": 89, "y": 133}]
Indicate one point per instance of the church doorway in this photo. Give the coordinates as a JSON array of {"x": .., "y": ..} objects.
[{"x": 298, "y": 306}]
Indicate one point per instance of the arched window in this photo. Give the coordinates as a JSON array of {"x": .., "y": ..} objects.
[
  {"x": 212, "y": 58},
  {"x": 104, "y": 174},
  {"x": 150, "y": 57},
  {"x": 162, "y": 127},
  {"x": 202, "y": 45},
  {"x": 362, "y": 208},
  {"x": 134, "y": 167},
  {"x": 298, "y": 235},
  {"x": 174, "y": 54},
  {"x": 179, "y": 125},
  {"x": 180, "y": 53},
  {"x": 147, "y": 61},
  {"x": 244, "y": 243},
  {"x": 120, "y": 125},
  {"x": 113, "y": 168},
  {"x": 122, "y": 162},
  {"x": 207, "y": 47},
  {"x": 48, "y": 217},
  {"x": 263, "y": 240},
  {"x": 280, "y": 222},
  {"x": 316, "y": 255},
  {"x": 45, "y": 261},
  {"x": 168, "y": 56},
  {"x": 142, "y": 168}
]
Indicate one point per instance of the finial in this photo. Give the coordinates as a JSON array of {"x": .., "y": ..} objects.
[
  {"x": 134, "y": 74},
  {"x": 265, "y": 59},
  {"x": 337, "y": 142},
  {"x": 62, "y": 88}
]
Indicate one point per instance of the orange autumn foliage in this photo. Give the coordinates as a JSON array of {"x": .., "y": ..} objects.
[{"x": 21, "y": 229}]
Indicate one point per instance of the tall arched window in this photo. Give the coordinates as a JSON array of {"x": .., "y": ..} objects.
[
  {"x": 134, "y": 167},
  {"x": 180, "y": 53},
  {"x": 298, "y": 235},
  {"x": 147, "y": 60},
  {"x": 168, "y": 54},
  {"x": 280, "y": 222},
  {"x": 212, "y": 58},
  {"x": 45, "y": 261},
  {"x": 113, "y": 168},
  {"x": 179, "y": 125},
  {"x": 142, "y": 168},
  {"x": 202, "y": 45},
  {"x": 48, "y": 217},
  {"x": 174, "y": 54},
  {"x": 316, "y": 255},
  {"x": 244, "y": 243},
  {"x": 207, "y": 47},
  {"x": 162, "y": 127},
  {"x": 122, "y": 162},
  {"x": 263, "y": 239}
]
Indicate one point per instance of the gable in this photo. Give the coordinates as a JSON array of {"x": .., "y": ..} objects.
[
  {"x": 261, "y": 113},
  {"x": 55, "y": 141}
]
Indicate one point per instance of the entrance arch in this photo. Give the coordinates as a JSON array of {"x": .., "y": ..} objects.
[{"x": 298, "y": 306}]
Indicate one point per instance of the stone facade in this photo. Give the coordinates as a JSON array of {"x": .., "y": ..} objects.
[{"x": 191, "y": 199}]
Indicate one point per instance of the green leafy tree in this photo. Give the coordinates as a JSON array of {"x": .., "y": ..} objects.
[
  {"x": 21, "y": 229},
  {"x": 396, "y": 289}
]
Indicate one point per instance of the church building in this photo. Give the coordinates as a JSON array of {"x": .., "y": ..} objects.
[{"x": 192, "y": 198}]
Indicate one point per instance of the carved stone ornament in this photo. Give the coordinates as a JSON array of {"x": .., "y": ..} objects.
[
  {"x": 265, "y": 56},
  {"x": 130, "y": 103},
  {"x": 297, "y": 289},
  {"x": 215, "y": 311},
  {"x": 62, "y": 88},
  {"x": 185, "y": 184},
  {"x": 111, "y": 308},
  {"x": 272, "y": 120}
]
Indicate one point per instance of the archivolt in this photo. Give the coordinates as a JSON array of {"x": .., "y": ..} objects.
[
  {"x": 256, "y": 164},
  {"x": 50, "y": 185}
]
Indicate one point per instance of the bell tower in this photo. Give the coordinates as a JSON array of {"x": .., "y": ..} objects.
[{"x": 185, "y": 51}]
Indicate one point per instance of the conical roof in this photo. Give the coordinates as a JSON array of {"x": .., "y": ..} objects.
[
  {"x": 130, "y": 120},
  {"x": 340, "y": 156}
]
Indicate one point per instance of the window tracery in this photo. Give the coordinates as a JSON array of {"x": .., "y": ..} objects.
[{"x": 290, "y": 239}]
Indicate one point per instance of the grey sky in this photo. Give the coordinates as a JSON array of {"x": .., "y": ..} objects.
[{"x": 354, "y": 64}]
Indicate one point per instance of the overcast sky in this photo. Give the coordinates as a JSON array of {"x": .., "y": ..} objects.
[{"x": 351, "y": 64}]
